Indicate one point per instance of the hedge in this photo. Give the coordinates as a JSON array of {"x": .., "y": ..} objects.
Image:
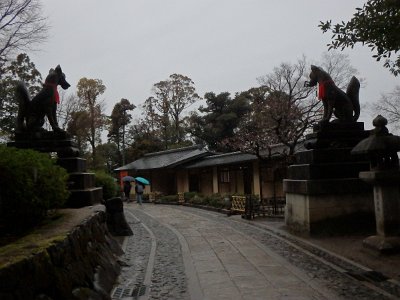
[
  {"x": 30, "y": 184},
  {"x": 107, "y": 182}
]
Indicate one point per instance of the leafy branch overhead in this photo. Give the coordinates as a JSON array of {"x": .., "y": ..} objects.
[{"x": 377, "y": 25}]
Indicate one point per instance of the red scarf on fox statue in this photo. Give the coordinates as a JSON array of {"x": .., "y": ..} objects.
[
  {"x": 56, "y": 96},
  {"x": 322, "y": 89}
]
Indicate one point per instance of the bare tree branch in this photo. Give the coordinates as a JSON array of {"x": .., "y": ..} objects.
[
  {"x": 389, "y": 106},
  {"x": 22, "y": 26}
]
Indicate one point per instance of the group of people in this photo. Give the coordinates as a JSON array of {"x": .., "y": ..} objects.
[{"x": 139, "y": 189}]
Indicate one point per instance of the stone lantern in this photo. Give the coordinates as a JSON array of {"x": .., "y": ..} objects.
[{"x": 381, "y": 147}]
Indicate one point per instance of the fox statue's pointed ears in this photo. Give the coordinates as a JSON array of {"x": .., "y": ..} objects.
[{"x": 57, "y": 70}]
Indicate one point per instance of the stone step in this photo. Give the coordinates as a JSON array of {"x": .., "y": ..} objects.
[
  {"x": 327, "y": 171},
  {"x": 332, "y": 142},
  {"x": 72, "y": 164},
  {"x": 338, "y": 134},
  {"x": 335, "y": 126},
  {"x": 328, "y": 155},
  {"x": 43, "y": 143},
  {"x": 326, "y": 186},
  {"x": 81, "y": 181},
  {"x": 86, "y": 197}
]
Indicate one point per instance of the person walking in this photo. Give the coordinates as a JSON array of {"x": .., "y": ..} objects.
[
  {"x": 139, "y": 189},
  {"x": 127, "y": 190}
]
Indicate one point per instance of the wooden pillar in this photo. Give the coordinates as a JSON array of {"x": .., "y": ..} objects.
[
  {"x": 256, "y": 178},
  {"x": 215, "y": 180},
  {"x": 182, "y": 181}
]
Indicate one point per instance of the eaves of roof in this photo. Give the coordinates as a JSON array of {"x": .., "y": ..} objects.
[
  {"x": 222, "y": 159},
  {"x": 165, "y": 159}
]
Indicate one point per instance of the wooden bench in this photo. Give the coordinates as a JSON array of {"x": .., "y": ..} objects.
[
  {"x": 181, "y": 198},
  {"x": 238, "y": 205},
  {"x": 152, "y": 197}
]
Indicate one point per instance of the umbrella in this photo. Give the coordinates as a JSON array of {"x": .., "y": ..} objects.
[
  {"x": 128, "y": 178},
  {"x": 142, "y": 180}
]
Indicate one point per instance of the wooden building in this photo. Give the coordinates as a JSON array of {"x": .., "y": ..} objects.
[{"x": 194, "y": 169}]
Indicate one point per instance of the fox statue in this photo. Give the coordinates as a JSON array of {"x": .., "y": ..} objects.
[
  {"x": 32, "y": 113},
  {"x": 345, "y": 106}
]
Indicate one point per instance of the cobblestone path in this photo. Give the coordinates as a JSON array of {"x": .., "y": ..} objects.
[{"x": 179, "y": 252}]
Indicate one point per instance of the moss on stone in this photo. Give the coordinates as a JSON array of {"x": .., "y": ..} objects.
[{"x": 38, "y": 240}]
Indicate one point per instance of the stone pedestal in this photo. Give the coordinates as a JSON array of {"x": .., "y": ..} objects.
[
  {"x": 387, "y": 210},
  {"x": 46, "y": 141},
  {"x": 80, "y": 183},
  {"x": 323, "y": 191},
  {"x": 116, "y": 222}
]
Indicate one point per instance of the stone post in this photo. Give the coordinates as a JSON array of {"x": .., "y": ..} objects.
[
  {"x": 387, "y": 210},
  {"x": 116, "y": 222},
  {"x": 384, "y": 175}
]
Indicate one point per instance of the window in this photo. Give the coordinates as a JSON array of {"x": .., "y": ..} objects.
[{"x": 224, "y": 176}]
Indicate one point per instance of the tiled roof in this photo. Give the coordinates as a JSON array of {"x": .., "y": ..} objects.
[
  {"x": 222, "y": 159},
  {"x": 165, "y": 159},
  {"x": 195, "y": 157}
]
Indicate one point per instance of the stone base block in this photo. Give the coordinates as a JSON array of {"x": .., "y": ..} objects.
[
  {"x": 87, "y": 197},
  {"x": 81, "y": 181},
  {"x": 337, "y": 186},
  {"x": 323, "y": 156},
  {"x": 116, "y": 222},
  {"x": 383, "y": 244},
  {"x": 72, "y": 164},
  {"x": 326, "y": 171},
  {"x": 310, "y": 214}
]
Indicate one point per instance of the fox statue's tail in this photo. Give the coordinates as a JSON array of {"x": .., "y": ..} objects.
[
  {"x": 352, "y": 92},
  {"x": 23, "y": 99},
  {"x": 22, "y": 94}
]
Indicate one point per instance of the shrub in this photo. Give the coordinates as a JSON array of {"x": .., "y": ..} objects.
[
  {"x": 196, "y": 199},
  {"x": 108, "y": 183},
  {"x": 214, "y": 200},
  {"x": 30, "y": 185},
  {"x": 190, "y": 195},
  {"x": 169, "y": 198}
]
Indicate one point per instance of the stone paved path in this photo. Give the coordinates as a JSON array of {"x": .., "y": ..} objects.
[{"x": 184, "y": 253}]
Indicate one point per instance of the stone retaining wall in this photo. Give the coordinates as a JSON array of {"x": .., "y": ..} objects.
[{"x": 81, "y": 266}]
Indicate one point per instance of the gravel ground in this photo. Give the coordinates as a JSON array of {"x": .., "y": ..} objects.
[
  {"x": 168, "y": 278},
  {"x": 135, "y": 260}
]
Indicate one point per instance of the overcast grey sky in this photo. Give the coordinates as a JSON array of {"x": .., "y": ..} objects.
[{"x": 222, "y": 45}]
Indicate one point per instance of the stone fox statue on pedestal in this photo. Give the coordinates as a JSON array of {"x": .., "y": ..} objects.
[
  {"x": 345, "y": 106},
  {"x": 31, "y": 113}
]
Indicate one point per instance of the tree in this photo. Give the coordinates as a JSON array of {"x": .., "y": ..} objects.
[
  {"x": 120, "y": 118},
  {"x": 21, "y": 26},
  {"x": 150, "y": 116},
  {"x": 21, "y": 69},
  {"x": 255, "y": 133},
  {"x": 282, "y": 109},
  {"x": 219, "y": 120},
  {"x": 291, "y": 108},
  {"x": 142, "y": 140},
  {"x": 377, "y": 25},
  {"x": 108, "y": 157},
  {"x": 88, "y": 91},
  {"x": 171, "y": 98},
  {"x": 338, "y": 65},
  {"x": 78, "y": 126},
  {"x": 389, "y": 106},
  {"x": 182, "y": 94},
  {"x": 69, "y": 103}
]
